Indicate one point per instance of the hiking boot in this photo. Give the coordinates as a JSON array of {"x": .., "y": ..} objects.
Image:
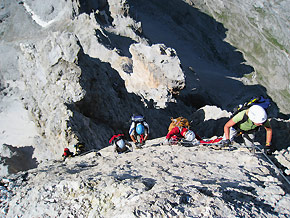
[
  {"x": 138, "y": 145},
  {"x": 268, "y": 150},
  {"x": 225, "y": 143}
]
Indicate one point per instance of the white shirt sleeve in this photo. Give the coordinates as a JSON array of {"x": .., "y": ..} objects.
[
  {"x": 132, "y": 128},
  {"x": 146, "y": 126}
]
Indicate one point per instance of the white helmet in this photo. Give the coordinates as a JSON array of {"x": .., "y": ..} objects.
[
  {"x": 189, "y": 136},
  {"x": 120, "y": 143},
  {"x": 257, "y": 114}
]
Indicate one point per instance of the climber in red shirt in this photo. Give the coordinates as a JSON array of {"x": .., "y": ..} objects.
[{"x": 178, "y": 133}]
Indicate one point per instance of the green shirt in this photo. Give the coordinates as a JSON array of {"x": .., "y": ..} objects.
[{"x": 247, "y": 125}]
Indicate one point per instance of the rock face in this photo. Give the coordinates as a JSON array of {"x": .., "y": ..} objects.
[
  {"x": 156, "y": 73},
  {"x": 75, "y": 71},
  {"x": 156, "y": 181},
  {"x": 261, "y": 30},
  {"x": 76, "y": 78}
]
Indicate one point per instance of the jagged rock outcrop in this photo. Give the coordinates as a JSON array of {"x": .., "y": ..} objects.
[
  {"x": 156, "y": 181},
  {"x": 156, "y": 73},
  {"x": 52, "y": 80},
  {"x": 76, "y": 80}
]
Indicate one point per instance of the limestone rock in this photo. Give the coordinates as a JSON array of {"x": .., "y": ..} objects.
[
  {"x": 52, "y": 12},
  {"x": 77, "y": 70},
  {"x": 52, "y": 80},
  {"x": 156, "y": 73},
  {"x": 155, "y": 181},
  {"x": 123, "y": 24}
]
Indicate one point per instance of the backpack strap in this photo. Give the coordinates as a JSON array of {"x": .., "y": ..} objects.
[
  {"x": 180, "y": 129},
  {"x": 245, "y": 119},
  {"x": 238, "y": 124}
]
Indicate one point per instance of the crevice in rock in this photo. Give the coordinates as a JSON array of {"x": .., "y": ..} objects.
[{"x": 195, "y": 100}]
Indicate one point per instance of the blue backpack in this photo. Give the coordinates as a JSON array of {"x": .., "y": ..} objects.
[{"x": 261, "y": 101}]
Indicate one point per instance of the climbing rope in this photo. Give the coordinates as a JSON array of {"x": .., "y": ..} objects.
[
  {"x": 271, "y": 162},
  {"x": 87, "y": 152}
]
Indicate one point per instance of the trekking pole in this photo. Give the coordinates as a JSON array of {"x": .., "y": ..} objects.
[{"x": 280, "y": 172}]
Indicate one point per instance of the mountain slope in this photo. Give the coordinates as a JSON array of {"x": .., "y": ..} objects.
[
  {"x": 155, "y": 181},
  {"x": 260, "y": 30},
  {"x": 75, "y": 71}
]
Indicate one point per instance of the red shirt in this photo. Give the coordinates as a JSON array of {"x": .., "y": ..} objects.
[{"x": 176, "y": 131}]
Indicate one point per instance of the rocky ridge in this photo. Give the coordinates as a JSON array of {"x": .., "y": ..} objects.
[{"x": 158, "y": 181}]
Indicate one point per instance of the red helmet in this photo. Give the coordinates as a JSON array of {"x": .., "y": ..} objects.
[{"x": 66, "y": 149}]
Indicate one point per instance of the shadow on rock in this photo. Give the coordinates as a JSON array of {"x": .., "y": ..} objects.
[
  {"x": 107, "y": 106},
  {"x": 199, "y": 42},
  {"x": 17, "y": 159},
  {"x": 210, "y": 63}
]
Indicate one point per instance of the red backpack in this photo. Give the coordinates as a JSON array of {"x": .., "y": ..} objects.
[{"x": 116, "y": 138}]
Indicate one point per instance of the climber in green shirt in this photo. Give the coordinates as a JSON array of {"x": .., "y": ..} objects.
[{"x": 246, "y": 123}]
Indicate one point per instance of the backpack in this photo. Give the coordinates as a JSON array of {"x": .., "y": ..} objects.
[
  {"x": 261, "y": 101},
  {"x": 80, "y": 147},
  {"x": 137, "y": 118},
  {"x": 116, "y": 138},
  {"x": 179, "y": 122}
]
